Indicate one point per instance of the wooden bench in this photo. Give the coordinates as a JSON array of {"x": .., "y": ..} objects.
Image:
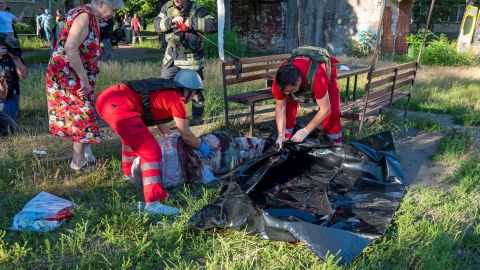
[
  {"x": 264, "y": 68},
  {"x": 384, "y": 87},
  {"x": 250, "y": 69}
]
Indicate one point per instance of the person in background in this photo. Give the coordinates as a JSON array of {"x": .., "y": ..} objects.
[
  {"x": 106, "y": 33},
  {"x": 7, "y": 19},
  {"x": 125, "y": 110},
  {"x": 144, "y": 24},
  {"x": 184, "y": 23},
  {"x": 71, "y": 76},
  {"x": 12, "y": 68},
  {"x": 47, "y": 23},
  {"x": 60, "y": 23},
  {"x": 127, "y": 29},
  {"x": 58, "y": 15},
  {"x": 137, "y": 28},
  {"x": 38, "y": 17}
]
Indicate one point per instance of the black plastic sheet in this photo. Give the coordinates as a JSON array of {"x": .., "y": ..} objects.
[{"x": 334, "y": 199}]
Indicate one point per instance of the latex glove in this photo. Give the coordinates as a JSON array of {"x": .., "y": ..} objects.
[
  {"x": 206, "y": 150},
  {"x": 177, "y": 20},
  {"x": 300, "y": 135},
  {"x": 280, "y": 140}
]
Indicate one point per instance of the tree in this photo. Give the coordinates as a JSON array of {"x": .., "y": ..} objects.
[
  {"x": 443, "y": 12},
  {"x": 149, "y": 9}
]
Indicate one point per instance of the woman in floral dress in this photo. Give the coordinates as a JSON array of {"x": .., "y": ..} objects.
[{"x": 71, "y": 76}]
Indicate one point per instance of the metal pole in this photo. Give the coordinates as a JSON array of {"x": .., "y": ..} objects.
[
  {"x": 426, "y": 31},
  {"x": 50, "y": 6},
  {"x": 376, "y": 52}
]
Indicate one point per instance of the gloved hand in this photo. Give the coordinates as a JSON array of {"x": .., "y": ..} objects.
[
  {"x": 180, "y": 27},
  {"x": 300, "y": 135},
  {"x": 280, "y": 140},
  {"x": 206, "y": 150}
]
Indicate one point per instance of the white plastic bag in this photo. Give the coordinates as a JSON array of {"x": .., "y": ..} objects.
[{"x": 44, "y": 212}]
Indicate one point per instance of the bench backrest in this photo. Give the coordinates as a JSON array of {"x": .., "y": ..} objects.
[
  {"x": 383, "y": 83},
  {"x": 251, "y": 69}
]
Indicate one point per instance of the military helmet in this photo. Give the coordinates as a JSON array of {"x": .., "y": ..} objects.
[{"x": 187, "y": 78}]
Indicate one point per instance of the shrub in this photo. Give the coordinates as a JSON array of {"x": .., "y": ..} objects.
[
  {"x": 24, "y": 28},
  {"x": 231, "y": 42},
  {"x": 363, "y": 47},
  {"x": 444, "y": 53}
]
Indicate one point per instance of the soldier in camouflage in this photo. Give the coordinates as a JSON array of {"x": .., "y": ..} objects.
[{"x": 184, "y": 23}]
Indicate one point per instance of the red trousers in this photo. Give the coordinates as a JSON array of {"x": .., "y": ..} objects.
[
  {"x": 117, "y": 107},
  {"x": 331, "y": 124}
]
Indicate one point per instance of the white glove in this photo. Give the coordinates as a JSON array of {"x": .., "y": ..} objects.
[
  {"x": 280, "y": 140},
  {"x": 300, "y": 135}
]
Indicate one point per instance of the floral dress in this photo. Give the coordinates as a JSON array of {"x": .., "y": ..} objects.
[{"x": 71, "y": 116}]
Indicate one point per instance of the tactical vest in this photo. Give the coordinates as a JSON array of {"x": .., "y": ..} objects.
[
  {"x": 318, "y": 55},
  {"x": 144, "y": 87}
]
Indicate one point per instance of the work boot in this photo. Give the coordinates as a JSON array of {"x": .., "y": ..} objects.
[
  {"x": 157, "y": 208},
  {"x": 198, "y": 108}
]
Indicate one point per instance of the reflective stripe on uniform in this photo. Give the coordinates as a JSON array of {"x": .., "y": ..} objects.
[
  {"x": 335, "y": 136},
  {"x": 150, "y": 166},
  {"x": 163, "y": 22},
  {"x": 151, "y": 180},
  {"x": 128, "y": 159},
  {"x": 126, "y": 148}
]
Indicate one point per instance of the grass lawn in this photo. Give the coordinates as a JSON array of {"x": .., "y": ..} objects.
[{"x": 434, "y": 228}]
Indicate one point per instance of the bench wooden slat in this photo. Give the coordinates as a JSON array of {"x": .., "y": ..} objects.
[
  {"x": 382, "y": 81},
  {"x": 412, "y": 65},
  {"x": 255, "y": 77},
  {"x": 251, "y": 97},
  {"x": 264, "y": 67},
  {"x": 405, "y": 75},
  {"x": 251, "y": 60},
  {"x": 382, "y": 72},
  {"x": 403, "y": 83},
  {"x": 380, "y": 92}
]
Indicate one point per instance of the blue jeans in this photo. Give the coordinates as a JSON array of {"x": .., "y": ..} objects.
[{"x": 12, "y": 106}]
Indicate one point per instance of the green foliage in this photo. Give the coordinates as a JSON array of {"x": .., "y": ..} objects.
[
  {"x": 357, "y": 49},
  {"x": 24, "y": 28},
  {"x": 426, "y": 124},
  {"x": 438, "y": 51},
  {"x": 32, "y": 42},
  {"x": 444, "y": 53},
  {"x": 232, "y": 43},
  {"x": 443, "y": 12},
  {"x": 149, "y": 9},
  {"x": 452, "y": 147}
]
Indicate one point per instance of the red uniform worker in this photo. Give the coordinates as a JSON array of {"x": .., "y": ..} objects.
[
  {"x": 126, "y": 108},
  {"x": 290, "y": 81}
]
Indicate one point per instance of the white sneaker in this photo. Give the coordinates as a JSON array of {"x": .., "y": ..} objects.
[{"x": 157, "y": 208}]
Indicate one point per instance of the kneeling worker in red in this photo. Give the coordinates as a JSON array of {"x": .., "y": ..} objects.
[
  {"x": 306, "y": 76},
  {"x": 132, "y": 106}
]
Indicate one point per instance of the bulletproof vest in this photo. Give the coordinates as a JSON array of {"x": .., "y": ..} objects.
[
  {"x": 144, "y": 87},
  {"x": 318, "y": 55}
]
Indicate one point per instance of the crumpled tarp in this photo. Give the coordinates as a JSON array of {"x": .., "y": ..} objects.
[
  {"x": 334, "y": 199},
  {"x": 44, "y": 212}
]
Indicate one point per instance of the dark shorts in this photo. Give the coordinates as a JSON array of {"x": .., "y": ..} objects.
[{"x": 136, "y": 33}]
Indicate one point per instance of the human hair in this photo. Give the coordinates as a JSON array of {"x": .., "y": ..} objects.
[
  {"x": 114, "y": 4},
  {"x": 287, "y": 75}
]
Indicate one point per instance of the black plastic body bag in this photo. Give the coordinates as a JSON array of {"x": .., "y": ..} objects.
[{"x": 334, "y": 199}]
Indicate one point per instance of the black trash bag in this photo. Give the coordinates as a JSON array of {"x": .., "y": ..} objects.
[{"x": 334, "y": 199}]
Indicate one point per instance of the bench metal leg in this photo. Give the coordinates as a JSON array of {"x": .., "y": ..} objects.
[
  {"x": 252, "y": 118},
  {"x": 226, "y": 114},
  {"x": 347, "y": 90},
  {"x": 406, "y": 109},
  {"x": 355, "y": 87}
]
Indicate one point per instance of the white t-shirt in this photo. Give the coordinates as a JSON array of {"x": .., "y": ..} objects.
[{"x": 6, "y": 20}]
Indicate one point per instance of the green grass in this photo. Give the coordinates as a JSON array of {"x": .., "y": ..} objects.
[
  {"x": 148, "y": 43},
  {"x": 434, "y": 228},
  {"x": 32, "y": 42},
  {"x": 452, "y": 147}
]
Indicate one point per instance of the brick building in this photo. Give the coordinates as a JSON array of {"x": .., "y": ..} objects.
[{"x": 279, "y": 25}]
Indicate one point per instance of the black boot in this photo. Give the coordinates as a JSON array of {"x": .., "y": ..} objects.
[{"x": 198, "y": 108}]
